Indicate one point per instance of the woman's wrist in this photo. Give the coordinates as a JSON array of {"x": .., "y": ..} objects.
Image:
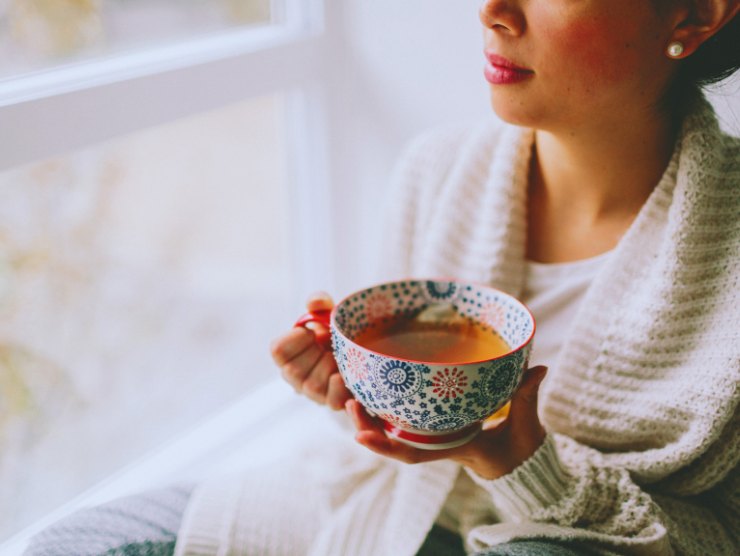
[
  {"x": 537, "y": 483},
  {"x": 492, "y": 465}
]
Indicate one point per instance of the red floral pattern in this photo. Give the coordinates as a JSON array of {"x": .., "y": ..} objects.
[
  {"x": 494, "y": 315},
  {"x": 398, "y": 421},
  {"x": 449, "y": 383},
  {"x": 357, "y": 366},
  {"x": 378, "y": 306}
]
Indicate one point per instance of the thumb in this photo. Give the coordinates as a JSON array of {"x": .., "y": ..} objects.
[
  {"x": 319, "y": 301},
  {"x": 524, "y": 400}
]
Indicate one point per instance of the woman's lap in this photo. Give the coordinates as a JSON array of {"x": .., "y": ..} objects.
[
  {"x": 146, "y": 525},
  {"x": 140, "y": 525},
  {"x": 533, "y": 548},
  {"x": 441, "y": 542}
]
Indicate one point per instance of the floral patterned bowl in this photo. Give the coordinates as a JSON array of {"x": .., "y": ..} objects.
[{"x": 426, "y": 404}]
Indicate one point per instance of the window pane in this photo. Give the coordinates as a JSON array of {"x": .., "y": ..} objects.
[
  {"x": 140, "y": 284},
  {"x": 39, "y": 33}
]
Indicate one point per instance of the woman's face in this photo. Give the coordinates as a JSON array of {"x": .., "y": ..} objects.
[{"x": 564, "y": 64}]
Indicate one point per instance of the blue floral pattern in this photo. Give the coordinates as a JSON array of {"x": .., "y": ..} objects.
[
  {"x": 499, "y": 379},
  {"x": 441, "y": 291},
  {"x": 399, "y": 379},
  {"x": 446, "y": 423}
]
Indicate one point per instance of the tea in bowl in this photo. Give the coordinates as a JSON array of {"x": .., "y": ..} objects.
[{"x": 431, "y": 358}]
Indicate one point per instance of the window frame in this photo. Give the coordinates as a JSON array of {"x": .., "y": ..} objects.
[
  {"x": 97, "y": 100},
  {"x": 101, "y": 98},
  {"x": 94, "y": 101}
]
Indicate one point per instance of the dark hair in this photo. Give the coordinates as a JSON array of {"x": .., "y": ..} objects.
[{"x": 717, "y": 59}]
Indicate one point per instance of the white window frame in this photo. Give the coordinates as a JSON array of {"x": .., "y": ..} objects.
[
  {"x": 97, "y": 100},
  {"x": 93, "y": 101}
]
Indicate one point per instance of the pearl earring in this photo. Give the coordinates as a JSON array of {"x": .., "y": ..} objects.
[{"x": 675, "y": 49}]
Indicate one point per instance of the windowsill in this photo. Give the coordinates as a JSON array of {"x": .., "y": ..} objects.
[{"x": 241, "y": 436}]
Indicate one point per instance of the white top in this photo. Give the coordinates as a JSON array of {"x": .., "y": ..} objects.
[{"x": 553, "y": 292}]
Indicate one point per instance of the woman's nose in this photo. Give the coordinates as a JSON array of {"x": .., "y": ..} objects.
[{"x": 502, "y": 15}]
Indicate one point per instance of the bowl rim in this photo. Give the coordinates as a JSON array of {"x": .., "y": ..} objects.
[{"x": 521, "y": 346}]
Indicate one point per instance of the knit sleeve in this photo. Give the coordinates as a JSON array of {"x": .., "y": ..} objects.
[{"x": 587, "y": 500}]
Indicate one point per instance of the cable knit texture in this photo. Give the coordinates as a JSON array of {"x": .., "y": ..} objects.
[{"x": 643, "y": 439}]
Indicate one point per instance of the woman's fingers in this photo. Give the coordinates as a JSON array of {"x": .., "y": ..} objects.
[
  {"x": 291, "y": 344},
  {"x": 525, "y": 431},
  {"x": 493, "y": 453},
  {"x": 297, "y": 370},
  {"x": 305, "y": 358},
  {"x": 371, "y": 435},
  {"x": 337, "y": 394},
  {"x": 369, "y": 431},
  {"x": 524, "y": 402},
  {"x": 316, "y": 383},
  {"x": 360, "y": 418},
  {"x": 319, "y": 301}
]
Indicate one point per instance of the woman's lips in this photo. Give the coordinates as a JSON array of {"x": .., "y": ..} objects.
[{"x": 502, "y": 71}]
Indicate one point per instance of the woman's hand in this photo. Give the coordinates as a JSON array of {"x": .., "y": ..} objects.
[
  {"x": 495, "y": 452},
  {"x": 306, "y": 361}
]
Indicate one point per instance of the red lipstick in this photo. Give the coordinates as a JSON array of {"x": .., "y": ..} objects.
[{"x": 502, "y": 71}]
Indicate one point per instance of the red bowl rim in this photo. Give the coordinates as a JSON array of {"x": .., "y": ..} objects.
[{"x": 440, "y": 364}]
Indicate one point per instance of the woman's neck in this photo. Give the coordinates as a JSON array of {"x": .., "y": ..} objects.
[{"x": 587, "y": 185}]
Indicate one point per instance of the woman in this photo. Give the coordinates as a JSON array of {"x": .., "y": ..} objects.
[
  {"x": 609, "y": 203},
  {"x": 610, "y": 180}
]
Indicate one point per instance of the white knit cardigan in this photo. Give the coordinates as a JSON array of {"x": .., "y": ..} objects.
[{"x": 643, "y": 439}]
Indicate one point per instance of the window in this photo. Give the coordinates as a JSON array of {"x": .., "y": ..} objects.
[
  {"x": 38, "y": 34},
  {"x": 161, "y": 198}
]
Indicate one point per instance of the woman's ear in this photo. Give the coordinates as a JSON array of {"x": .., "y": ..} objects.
[{"x": 698, "y": 21}]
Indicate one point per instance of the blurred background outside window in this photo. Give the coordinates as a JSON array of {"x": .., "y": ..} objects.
[
  {"x": 141, "y": 277},
  {"x": 37, "y": 34},
  {"x": 141, "y": 280}
]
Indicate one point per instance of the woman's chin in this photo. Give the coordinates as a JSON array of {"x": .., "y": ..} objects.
[{"x": 513, "y": 111}]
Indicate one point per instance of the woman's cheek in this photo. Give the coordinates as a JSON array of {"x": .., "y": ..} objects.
[{"x": 590, "y": 56}]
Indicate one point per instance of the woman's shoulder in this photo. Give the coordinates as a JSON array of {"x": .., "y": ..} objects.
[
  {"x": 431, "y": 156},
  {"x": 445, "y": 143},
  {"x": 708, "y": 149},
  {"x": 705, "y": 183}
]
